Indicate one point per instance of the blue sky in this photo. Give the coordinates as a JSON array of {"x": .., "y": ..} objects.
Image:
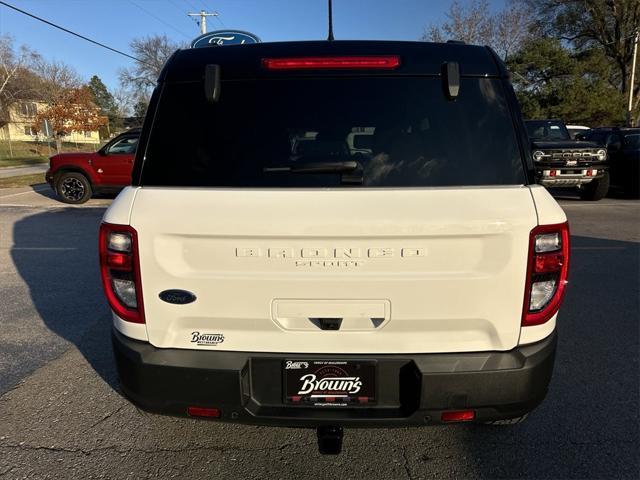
[{"x": 117, "y": 22}]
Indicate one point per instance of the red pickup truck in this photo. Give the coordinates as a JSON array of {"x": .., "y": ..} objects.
[{"x": 75, "y": 177}]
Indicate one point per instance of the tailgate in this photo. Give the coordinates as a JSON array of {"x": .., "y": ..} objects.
[{"x": 398, "y": 270}]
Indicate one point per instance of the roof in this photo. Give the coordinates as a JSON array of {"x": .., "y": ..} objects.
[{"x": 417, "y": 58}]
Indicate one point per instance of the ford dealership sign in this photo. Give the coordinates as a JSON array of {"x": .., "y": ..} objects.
[{"x": 224, "y": 37}]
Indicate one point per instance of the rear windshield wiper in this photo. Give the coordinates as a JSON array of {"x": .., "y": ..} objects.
[{"x": 316, "y": 167}]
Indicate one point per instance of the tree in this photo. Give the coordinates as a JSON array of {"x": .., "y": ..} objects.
[
  {"x": 607, "y": 24},
  {"x": 106, "y": 102},
  {"x": 474, "y": 23},
  {"x": 17, "y": 81},
  {"x": 553, "y": 81},
  {"x": 72, "y": 110},
  {"x": 152, "y": 53},
  {"x": 140, "y": 109},
  {"x": 56, "y": 78}
]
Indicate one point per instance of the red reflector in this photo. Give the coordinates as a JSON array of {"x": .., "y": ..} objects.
[
  {"x": 458, "y": 416},
  {"x": 119, "y": 261},
  {"x": 589, "y": 173},
  {"x": 333, "y": 63},
  {"x": 553, "y": 173},
  {"x": 550, "y": 262},
  {"x": 204, "y": 412},
  {"x": 295, "y": 398},
  {"x": 363, "y": 399}
]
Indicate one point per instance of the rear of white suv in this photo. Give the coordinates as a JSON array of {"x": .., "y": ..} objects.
[{"x": 413, "y": 282}]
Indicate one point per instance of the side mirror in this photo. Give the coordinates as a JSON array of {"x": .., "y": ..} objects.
[{"x": 102, "y": 152}]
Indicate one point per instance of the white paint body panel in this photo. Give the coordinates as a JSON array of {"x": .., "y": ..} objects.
[{"x": 445, "y": 267}]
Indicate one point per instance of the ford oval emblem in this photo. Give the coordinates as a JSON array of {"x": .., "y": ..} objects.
[
  {"x": 177, "y": 297},
  {"x": 224, "y": 37}
]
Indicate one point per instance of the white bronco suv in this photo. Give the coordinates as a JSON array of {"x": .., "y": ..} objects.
[{"x": 412, "y": 282}]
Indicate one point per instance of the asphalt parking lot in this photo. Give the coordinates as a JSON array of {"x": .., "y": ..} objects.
[{"x": 61, "y": 415}]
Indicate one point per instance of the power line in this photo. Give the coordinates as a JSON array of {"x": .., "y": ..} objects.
[
  {"x": 72, "y": 33},
  {"x": 159, "y": 19}
]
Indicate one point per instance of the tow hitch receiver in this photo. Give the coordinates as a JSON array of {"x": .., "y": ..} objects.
[{"x": 330, "y": 440}]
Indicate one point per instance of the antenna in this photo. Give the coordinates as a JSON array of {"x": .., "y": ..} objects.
[{"x": 330, "y": 37}]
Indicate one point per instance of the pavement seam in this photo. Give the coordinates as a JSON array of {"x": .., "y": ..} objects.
[{"x": 24, "y": 446}]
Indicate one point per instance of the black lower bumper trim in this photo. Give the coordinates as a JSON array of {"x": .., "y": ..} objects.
[{"x": 412, "y": 389}]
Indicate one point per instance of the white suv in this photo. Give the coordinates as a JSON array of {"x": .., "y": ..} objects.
[{"x": 413, "y": 285}]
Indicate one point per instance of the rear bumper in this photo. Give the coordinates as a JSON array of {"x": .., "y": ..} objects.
[
  {"x": 569, "y": 177},
  {"x": 412, "y": 389}
]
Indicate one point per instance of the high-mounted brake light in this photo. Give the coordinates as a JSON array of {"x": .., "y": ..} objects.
[
  {"x": 120, "y": 271},
  {"x": 547, "y": 273},
  {"x": 332, "y": 63}
]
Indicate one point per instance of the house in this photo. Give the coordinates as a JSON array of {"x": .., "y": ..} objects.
[{"x": 18, "y": 126}]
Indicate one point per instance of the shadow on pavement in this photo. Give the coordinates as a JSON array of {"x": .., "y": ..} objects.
[
  {"x": 588, "y": 426},
  {"x": 55, "y": 253}
]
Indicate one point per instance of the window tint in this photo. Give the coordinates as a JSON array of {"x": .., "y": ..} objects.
[
  {"x": 125, "y": 146},
  {"x": 632, "y": 141},
  {"x": 547, "y": 130},
  {"x": 398, "y": 131}
]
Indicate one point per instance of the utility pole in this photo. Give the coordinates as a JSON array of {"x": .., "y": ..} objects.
[
  {"x": 203, "y": 19},
  {"x": 633, "y": 79}
]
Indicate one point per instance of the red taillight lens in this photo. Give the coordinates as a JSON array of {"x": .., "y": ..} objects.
[
  {"x": 332, "y": 63},
  {"x": 204, "y": 412},
  {"x": 120, "y": 271},
  {"x": 458, "y": 416},
  {"x": 547, "y": 273}
]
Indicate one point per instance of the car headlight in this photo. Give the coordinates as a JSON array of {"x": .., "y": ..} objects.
[
  {"x": 538, "y": 155},
  {"x": 602, "y": 154}
]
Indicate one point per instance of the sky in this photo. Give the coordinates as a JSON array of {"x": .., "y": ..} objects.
[{"x": 117, "y": 22}]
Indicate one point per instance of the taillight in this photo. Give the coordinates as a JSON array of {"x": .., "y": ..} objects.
[
  {"x": 547, "y": 273},
  {"x": 120, "y": 271},
  {"x": 332, "y": 63}
]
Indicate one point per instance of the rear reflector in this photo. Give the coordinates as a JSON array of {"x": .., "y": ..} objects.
[
  {"x": 458, "y": 416},
  {"x": 204, "y": 412},
  {"x": 332, "y": 63}
]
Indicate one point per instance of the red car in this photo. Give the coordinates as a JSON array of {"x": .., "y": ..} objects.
[{"x": 75, "y": 177}]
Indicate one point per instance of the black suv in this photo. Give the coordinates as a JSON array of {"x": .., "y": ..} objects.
[
  {"x": 563, "y": 162},
  {"x": 623, "y": 150}
]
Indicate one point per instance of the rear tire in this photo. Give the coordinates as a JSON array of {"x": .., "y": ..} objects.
[
  {"x": 596, "y": 189},
  {"x": 508, "y": 421},
  {"x": 73, "y": 187}
]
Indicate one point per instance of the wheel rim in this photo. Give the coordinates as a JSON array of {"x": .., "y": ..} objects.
[{"x": 72, "y": 189}]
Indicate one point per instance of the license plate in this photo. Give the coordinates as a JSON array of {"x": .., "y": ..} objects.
[
  {"x": 329, "y": 382},
  {"x": 572, "y": 163}
]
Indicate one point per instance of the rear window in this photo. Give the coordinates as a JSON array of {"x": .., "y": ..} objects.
[{"x": 359, "y": 131}]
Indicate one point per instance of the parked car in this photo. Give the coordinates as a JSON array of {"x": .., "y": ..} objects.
[
  {"x": 75, "y": 177},
  {"x": 414, "y": 282},
  {"x": 623, "y": 149},
  {"x": 563, "y": 162},
  {"x": 576, "y": 130}
]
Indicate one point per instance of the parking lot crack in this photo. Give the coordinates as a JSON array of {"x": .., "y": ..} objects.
[
  {"x": 108, "y": 416},
  {"x": 406, "y": 464}
]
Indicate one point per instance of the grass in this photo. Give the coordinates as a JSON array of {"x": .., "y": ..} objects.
[
  {"x": 22, "y": 161},
  {"x": 22, "y": 181},
  {"x": 32, "y": 153}
]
